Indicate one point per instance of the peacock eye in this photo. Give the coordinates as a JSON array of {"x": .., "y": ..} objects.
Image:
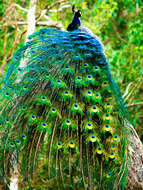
[
  {"x": 71, "y": 142},
  {"x": 109, "y": 173},
  {"x": 97, "y": 95},
  {"x": 108, "y": 104},
  {"x": 92, "y": 136},
  {"x": 24, "y": 107},
  {"x": 7, "y": 93},
  {"x": 106, "y": 126},
  {"x": 89, "y": 77},
  {"x": 23, "y": 136},
  {"x": 89, "y": 124},
  {"x": 99, "y": 148},
  {"x": 67, "y": 67},
  {"x": 59, "y": 143},
  {"x": 58, "y": 81},
  {"x": 44, "y": 124},
  {"x": 25, "y": 87},
  {"x": 78, "y": 77},
  {"x": 94, "y": 107},
  {"x": 96, "y": 68},
  {"x": 43, "y": 98},
  {"x": 105, "y": 82},
  {"x": 66, "y": 92},
  {"x": 19, "y": 69},
  {"x": 107, "y": 115},
  {"x": 18, "y": 141},
  {"x": 68, "y": 121},
  {"x": 53, "y": 109},
  {"x": 47, "y": 74},
  {"x": 89, "y": 92},
  {"x": 112, "y": 153},
  {"x": 12, "y": 144},
  {"x": 115, "y": 136},
  {"x": 33, "y": 116},
  {"x": 75, "y": 105}
]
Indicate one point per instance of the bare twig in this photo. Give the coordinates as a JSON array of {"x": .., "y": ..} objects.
[
  {"x": 40, "y": 23},
  {"x": 42, "y": 13},
  {"x": 47, "y": 8},
  {"x": 131, "y": 92},
  {"x": 10, "y": 8},
  {"x": 5, "y": 41},
  {"x": 21, "y": 8},
  {"x": 127, "y": 90},
  {"x": 135, "y": 104},
  {"x": 15, "y": 45},
  {"x": 139, "y": 84},
  {"x": 54, "y": 4}
]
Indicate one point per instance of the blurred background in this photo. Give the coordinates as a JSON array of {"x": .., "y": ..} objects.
[{"x": 119, "y": 24}]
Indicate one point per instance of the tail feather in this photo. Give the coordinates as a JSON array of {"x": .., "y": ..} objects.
[{"x": 62, "y": 100}]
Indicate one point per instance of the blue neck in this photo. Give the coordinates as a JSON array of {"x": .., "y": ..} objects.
[{"x": 76, "y": 20}]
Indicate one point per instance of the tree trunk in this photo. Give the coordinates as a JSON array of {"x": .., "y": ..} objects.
[
  {"x": 135, "y": 172},
  {"x": 31, "y": 20},
  {"x": 14, "y": 177}
]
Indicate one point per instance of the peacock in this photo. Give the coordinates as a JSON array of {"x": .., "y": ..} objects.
[{"x": 60, "y": 107}]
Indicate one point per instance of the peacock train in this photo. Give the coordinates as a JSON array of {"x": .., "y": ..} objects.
[{"x": 60, "y": 107}]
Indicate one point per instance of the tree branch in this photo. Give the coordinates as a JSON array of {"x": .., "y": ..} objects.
[
  {"x": 5, "y": 42},
  {"x": 10, "y": 55},
  {"x": 40, "y": 23},
  {"x": 127, "y": 90},
  {"x": 135, "y": 104},
  {"x": 31, "y": 21},
  {"x": 21, "y": 8},
  {"x": 47, "y": 8},
  {"x": 137, "y": 85}
]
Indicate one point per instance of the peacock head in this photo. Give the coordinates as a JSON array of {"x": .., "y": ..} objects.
[
  {"x": 76, "y": 21},
  {"x": 77, "y": 13}
]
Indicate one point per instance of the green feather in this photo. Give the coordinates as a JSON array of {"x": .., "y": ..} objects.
[{"x": 62, "y": 113}]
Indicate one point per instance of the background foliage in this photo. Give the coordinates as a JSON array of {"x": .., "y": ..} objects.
[{"x": 118, "y": 23}]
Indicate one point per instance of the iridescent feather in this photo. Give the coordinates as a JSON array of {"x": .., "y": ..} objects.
[{"x": 59, "y": 97}]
